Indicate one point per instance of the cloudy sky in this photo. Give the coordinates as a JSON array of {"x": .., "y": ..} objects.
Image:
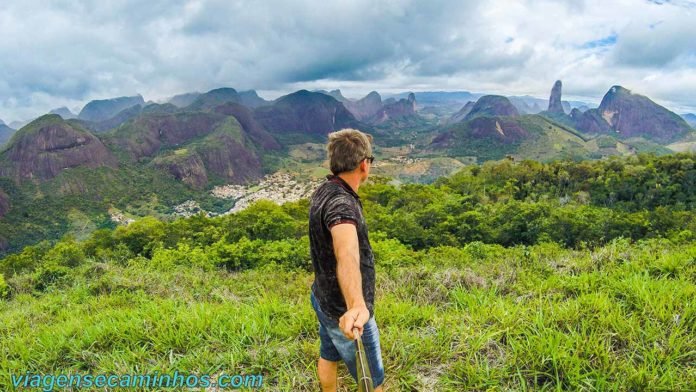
[{"x": 69, "y": 52}]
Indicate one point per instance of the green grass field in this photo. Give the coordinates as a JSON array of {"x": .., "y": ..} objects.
[{"x": 480, "y": 317}]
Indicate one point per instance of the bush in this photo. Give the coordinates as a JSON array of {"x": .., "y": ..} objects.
[
  {"x": 390, "y": 253},
  {"x": 67, "y": 253},
  {"x": 263, "y": 220},
  {"x": 246, "y": 253},
  {"x": 141, "y": 236},
  {"x": 26, "y": 260},
  {"x": 49, "y": 275},
  {"x": 4, "y": 290},
  {"x": 185, "y": 255}
]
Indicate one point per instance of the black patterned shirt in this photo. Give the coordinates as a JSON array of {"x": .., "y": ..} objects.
[{"x": 334, "y": 202}]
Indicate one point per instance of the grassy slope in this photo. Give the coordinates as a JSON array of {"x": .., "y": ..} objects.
[{"x": 617, "y": 318}]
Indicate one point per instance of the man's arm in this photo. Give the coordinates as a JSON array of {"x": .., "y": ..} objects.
[{"x": 347, "y": 252}]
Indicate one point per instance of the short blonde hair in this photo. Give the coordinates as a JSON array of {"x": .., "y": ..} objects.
[{"x": 347, "y": 148}]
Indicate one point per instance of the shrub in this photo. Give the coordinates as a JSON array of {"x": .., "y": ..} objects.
[
  {"x": 49, "y": 275},
  {"x": 141, "y": 236},
  {"x": 185, "y": 255},
  {"x": 67, "y": 253},
  {"x": 263, "y": 220},
  {"x": 4, "y": 290}
]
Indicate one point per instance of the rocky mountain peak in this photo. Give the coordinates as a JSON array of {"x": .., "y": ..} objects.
[
  {"x": 492, "y": 105},
  {"x": 49, "y": 145},
  {"x": 555, "y": 104}
]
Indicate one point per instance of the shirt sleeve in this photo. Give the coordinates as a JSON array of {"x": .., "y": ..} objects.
[{"x": 340, "y": 209}]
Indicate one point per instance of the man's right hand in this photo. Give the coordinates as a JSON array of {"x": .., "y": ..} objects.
[{"x": 355, "y": 317}]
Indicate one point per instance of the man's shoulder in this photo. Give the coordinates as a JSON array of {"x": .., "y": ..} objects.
[{"x": 328, "y": 190}]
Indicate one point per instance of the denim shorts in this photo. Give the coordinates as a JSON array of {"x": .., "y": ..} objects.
[{"x": 336, "y": 346}]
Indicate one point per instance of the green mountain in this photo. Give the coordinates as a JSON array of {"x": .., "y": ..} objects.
[
  {"x": 73, "y": 176},
  {"x": 491, "y": 105},
  {"x": 305, "y": 116},
  {"x": 627, "y": 116},
  {"x": 49, "y": 145},
  {"x": 56, "y": 177},
  {"x": 522, "y": 137}
]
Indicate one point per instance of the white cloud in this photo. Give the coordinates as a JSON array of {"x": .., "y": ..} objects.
[{"x": 70, "y": 52}]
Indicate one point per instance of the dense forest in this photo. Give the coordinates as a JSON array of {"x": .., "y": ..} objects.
[{"x": 521, "y": 275}]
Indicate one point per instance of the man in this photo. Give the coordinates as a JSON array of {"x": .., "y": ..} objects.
[{"x": 344, "y": 268}]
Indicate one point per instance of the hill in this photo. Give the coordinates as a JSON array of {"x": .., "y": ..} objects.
[
  {"x": 403, "y": 109},
  {"x": 57, "y": 177},
  {"x": 492, "y": 105},
  {"x": 219, "y": 96},
  {"x": 100, "y": 110},
  {"x": 49, "y": 145},
  {"x": 307, "y": 115},
  {"x": 366, "y": 107},
  {"x": 521, "y": 137}
]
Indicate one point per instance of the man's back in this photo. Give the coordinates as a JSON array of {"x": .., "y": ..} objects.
[{"x": 334, "y": 202}]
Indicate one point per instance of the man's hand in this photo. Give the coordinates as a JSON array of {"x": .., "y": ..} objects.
[{"x": 354, "y": 318}]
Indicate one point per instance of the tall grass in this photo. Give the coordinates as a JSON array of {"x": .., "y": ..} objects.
[{"x": 480, "y": 317}]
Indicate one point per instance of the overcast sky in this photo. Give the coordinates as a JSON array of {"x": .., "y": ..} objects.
[{"x": 70, "y": 52}]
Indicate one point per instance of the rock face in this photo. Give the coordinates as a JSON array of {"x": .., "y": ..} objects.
[
  {"x": 105, "y": 109},
  {"x": 624, "y": 114},
  {"x": 227, "y": 156},
  {"x": 492, "y": 128},
  {"x": 555, "y": 105},
  {"x": 224, "y": 152},
  {"x": 305, "y": 112},
  {"x": 49, "y": 145},
  {"x": 396, "y": 110},
  {"x": 636, "y": 115},
  {"x": 147, "y": 134},
  {"x": 193, "y": 146},
  {"x": 490, "y": 106},
  {"x": 366, "y": 107},
  {"x": 589, "y": 121},
  {"x": 188, "y": 169}
]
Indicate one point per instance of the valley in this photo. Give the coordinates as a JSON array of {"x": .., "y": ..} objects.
[{"x": 217, "y": 152}]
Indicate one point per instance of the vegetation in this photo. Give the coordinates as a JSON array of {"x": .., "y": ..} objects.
[{"x": 522, "y": 276}]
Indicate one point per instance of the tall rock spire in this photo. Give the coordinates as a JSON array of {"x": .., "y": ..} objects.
[{"x": 555, "y": 105}]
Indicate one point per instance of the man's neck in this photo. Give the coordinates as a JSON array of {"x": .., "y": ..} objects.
[{"x": 352, "y": 180}]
